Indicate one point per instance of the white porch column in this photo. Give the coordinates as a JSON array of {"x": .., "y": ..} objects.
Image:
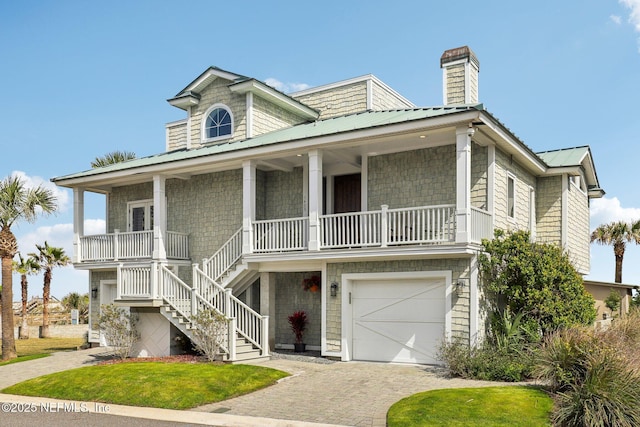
[
  {"x": 248, "y": 204},
  {"x": 78, "y": 222},
  {"x": 268, "y": 304},
  {"x": 159, "y": 218},
  {"x": 315, "y": 198},
  {"x": 463, "y": 183}
]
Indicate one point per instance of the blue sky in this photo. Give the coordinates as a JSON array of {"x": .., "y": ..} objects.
[{"x": 79, "y": 79}]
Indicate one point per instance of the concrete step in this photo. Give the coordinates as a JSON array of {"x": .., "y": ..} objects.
[
  {"x": 244, "y": 347},
  {"x": 254, "y": 355}
]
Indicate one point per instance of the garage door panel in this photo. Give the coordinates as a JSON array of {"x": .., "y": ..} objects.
[
  {"x": 398, "y": 310},
  {"x": 412, "y": 343},
  {"x": 398, "y": 288},
  {"x": 399, "y": 320}
]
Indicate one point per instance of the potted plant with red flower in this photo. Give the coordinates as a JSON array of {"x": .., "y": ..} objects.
[
  {"x": 298, "y": 321},
  {"x": 311, "y": 284}
]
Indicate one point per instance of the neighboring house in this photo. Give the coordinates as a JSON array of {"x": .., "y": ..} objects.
[
  {"x": 385, "y": 201},
  {"x": 601, "y": 291}
]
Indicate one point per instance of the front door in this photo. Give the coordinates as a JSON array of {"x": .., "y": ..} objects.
[
  {"x": 140, "y": 215},
  {"x": 346, "y": 193},
  {"x": 346, "y": 198}
]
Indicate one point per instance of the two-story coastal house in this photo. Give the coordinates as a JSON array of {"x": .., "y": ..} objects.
[{"x": 385, "y": 201}]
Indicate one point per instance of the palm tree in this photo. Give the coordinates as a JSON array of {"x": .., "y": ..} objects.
[
  {"x": 17, "y": 202},
  {"x": 48, "y": 257},
  {"x": 112, "y": 158},
  {"x": 617, "y": 234},
  {"x": 25, "y": 267}
]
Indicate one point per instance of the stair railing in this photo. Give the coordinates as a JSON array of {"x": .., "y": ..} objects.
[
  {"x": 249, "y": 324},
  {"x": 225, "y": 258},
  {"x": 187, "y": 301}
]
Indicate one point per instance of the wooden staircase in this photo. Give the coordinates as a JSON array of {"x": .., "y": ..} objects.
[
  {"x": 212, "y": 288},
  {"x": 244, "y": 349}
]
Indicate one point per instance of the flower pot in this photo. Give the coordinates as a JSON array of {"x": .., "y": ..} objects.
[
  {"x": 299, "y": 347},
  {"x": 314, "y": 288}
]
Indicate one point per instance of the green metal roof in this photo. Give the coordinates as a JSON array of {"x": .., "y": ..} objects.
[
  {"x": 564, "y": 157},
  {"x": 332, "y": 126}
]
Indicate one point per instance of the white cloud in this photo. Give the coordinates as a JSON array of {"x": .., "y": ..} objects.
[
  {"x": 607, "y": 210},
  {"x": 286, "y": 87},
  {"x": 60, "y": 235},
  {"x": 61, "y": 194},
  {"x": 616, "y": 19},
  {"x": 634, "y": 15},
  {"x": 94, "y": 226}
]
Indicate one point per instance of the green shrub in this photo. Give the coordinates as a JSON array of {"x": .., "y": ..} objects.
[
  {"x": 487, "y": 361},
  {"x": 535, "y": 279},
  {"x": 561, "y": 361},
  {"x": 608, "y": 395},
  {"x": 595, "y": 374},
  {"x": 119, "y": 328},
  {"x": 210, "y": 330}
]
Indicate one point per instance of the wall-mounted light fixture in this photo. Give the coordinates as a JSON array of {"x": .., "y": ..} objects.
[
  {"x": 94, "y": 292},
  {"x": 461, "y": 284},
  {"x": 334, "y": 289}
]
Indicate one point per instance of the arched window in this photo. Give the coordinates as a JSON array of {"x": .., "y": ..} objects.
[{"x": 218, "y": 123}]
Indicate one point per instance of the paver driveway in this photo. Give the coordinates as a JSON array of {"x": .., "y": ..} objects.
[{"x": 346, "y": 393}]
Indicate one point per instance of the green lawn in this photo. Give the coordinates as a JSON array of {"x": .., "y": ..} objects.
[
  {"x": 491, "y": 406},
  {"x": 152, "y": 384}
]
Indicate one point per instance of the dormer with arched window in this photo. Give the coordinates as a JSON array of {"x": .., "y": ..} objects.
[{"x": 218, "y": 124}]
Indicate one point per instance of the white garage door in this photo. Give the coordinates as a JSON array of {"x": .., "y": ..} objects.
[{"x": 401, "y": 320}]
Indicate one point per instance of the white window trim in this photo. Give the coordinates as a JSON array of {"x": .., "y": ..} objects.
[
  {"x": 203, "y": 124},
  {"x": 532, "y": 214},
  {"x": 511, "y": 176},
  {"x": 146, "y": 203}
]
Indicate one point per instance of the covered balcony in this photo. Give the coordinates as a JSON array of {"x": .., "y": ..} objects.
[
  {"x": 132, "y": 245},
  {"x": 425, "y": 225}
]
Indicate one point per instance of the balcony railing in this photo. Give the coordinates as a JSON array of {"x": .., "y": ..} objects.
[
  {"x": 130, "y": 245},
  {"x": 423, "y": 225},
  {"x": 386, "y": 227},
  {"x": 281, "y": 235},
  {"x": 481, "y": 225}
]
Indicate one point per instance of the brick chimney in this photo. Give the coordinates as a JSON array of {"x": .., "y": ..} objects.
[{"x": 460, "y": 68}]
